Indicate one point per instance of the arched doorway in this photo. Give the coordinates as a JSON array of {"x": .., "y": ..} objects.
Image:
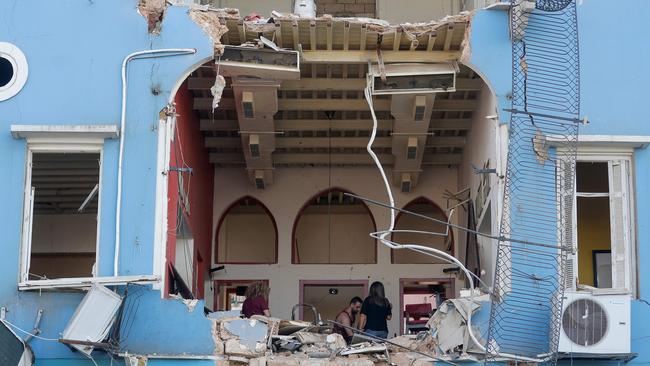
[
  {"x": 422, "y": 206},
  {"x": 247, "y": 234},
  {"x": 333, "y": 228}
]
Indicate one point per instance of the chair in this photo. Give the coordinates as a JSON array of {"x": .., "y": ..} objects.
[{"x": 417, "y": 316}]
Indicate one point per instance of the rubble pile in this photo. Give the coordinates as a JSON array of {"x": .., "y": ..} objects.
[{"x": 265, "y": 341}]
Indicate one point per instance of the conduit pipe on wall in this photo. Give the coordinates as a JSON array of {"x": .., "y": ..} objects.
[{"x": 163, "y": 52}]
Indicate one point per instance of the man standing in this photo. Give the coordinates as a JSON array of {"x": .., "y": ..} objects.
[{"x": 347, "y": 317}]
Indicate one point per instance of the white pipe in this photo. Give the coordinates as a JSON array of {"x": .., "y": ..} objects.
[
  {"x": 420, "y": 248},
  {"x": 118, "y": 208},
  {"x": 373, "y": 135}
]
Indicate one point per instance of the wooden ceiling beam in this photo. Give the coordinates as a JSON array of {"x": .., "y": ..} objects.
[
  {"x": 336, "y": 159},
  {"x": 223, "y": 142},
  {"x": 227, "y": 158},
  {"x": 334, "y": 142},
  {"x": 448, "y": 36},
  {"x": 450, "y": 124},
  {"x": 363, "y": 57},
  {"x": 325, "y": 159},
  {"x": 334, "y": 84},
  {"x": 442, "y": 159},
  {"x": 335, "y": 125},
  {"x": 324, "y": 104}
]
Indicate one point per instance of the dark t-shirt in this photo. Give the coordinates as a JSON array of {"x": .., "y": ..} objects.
[
  {"x": 342, "y": 331},
  {"x": 376, "y": 314},
  {"x": 254, "y": 306}
]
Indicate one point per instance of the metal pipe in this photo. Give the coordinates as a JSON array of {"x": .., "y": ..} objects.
[
  {"x": 317, "y": 319},
  {"x": 499, "y": 238},
  {"x": 36, "y": 331},
  {"x": 163, "y": 52}
]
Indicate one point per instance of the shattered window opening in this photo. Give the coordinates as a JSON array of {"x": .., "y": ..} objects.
[
  {"x": 64, "y": 223},
  {"x": 603, "y": 222}
]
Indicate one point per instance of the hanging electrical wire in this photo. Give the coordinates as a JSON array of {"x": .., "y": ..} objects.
[{"x": 436, "y": 253}]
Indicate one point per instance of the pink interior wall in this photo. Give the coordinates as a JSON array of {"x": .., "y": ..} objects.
[{"x": 200, "y": 185}]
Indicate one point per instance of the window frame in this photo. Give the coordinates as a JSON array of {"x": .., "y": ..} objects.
[
  {"x": 78, "y": 147},
  {"x": 610, "y": 155},
  {"x": 65, "y": 138}
]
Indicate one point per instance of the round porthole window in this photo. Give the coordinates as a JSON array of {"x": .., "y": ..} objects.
[{"x": 13, "y": 70}]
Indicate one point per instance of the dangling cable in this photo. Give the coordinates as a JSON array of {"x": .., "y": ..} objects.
[
  {"x": 420, "y": 248},
  {"x": 373, "y": 135}
]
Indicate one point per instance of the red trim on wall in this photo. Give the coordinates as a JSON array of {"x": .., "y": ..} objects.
[
  {"x": 294, "y": 259},
  {"x": 450, "y": 289},
  {"x": 223, "y": 217},
  {"x": 188, "y": 145},
  {"x": 421, "y": 199}
]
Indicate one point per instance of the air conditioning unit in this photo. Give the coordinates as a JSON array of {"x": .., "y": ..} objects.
[
  {"x": 412, "y": 78},
  {"x": 595, "y": 324},
  {"x": 93, "y": 319}
]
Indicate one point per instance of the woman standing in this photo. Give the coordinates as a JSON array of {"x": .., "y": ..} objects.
[
  {"x": 375, "y": 311},
  {"x": 257, "y": 300}
]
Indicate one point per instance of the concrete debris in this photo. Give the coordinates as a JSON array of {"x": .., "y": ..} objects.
[
  {"x": 191, "y": 304},
  {"x": 364, "y": 348},
  {"x": 154, "y": 12},
  {"x": 521, "y": 10},
  {"x": 266, "y": 341},
  {"x": 210, "y": 21},
  {"x": 135, "y": 360},
  {"x": 410, "y": 30},
  {"x": 540, "y": 147},
  {"x": 449, "y": 325},
  {"x": 466, "y": 45},
  {"x": 217, "y": 91}
]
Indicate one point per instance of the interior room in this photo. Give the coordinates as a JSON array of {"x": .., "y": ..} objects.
[
  {"x": 287, "y": 178},
  {"x": 419, "y": 300}
]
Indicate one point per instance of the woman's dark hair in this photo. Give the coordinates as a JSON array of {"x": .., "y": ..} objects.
[{"x": 377, "y": 295}]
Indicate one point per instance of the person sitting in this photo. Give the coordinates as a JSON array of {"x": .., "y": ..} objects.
[
  {"x": 375, "y": 311},
  {"x": 347, "y": 317},
  {"x": 257, "y": 300}
]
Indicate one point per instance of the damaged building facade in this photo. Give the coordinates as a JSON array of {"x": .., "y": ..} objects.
[{"x": 159, "y": 158}]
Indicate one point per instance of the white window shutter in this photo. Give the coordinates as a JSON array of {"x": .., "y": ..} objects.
[
  {"x": 566, "y": 221},
  {"x": 29, "y": 221},
  {"x": 619, "y": 221}
]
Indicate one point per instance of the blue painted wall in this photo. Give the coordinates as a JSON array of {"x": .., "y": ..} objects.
[
  {"x": 75, "y": 51},
  {"x": 614, "y": 76}
]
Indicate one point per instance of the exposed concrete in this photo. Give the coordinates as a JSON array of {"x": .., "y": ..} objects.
[
  {"x": 154, "y": 12},
  {"x": 209, "y": 20}
]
